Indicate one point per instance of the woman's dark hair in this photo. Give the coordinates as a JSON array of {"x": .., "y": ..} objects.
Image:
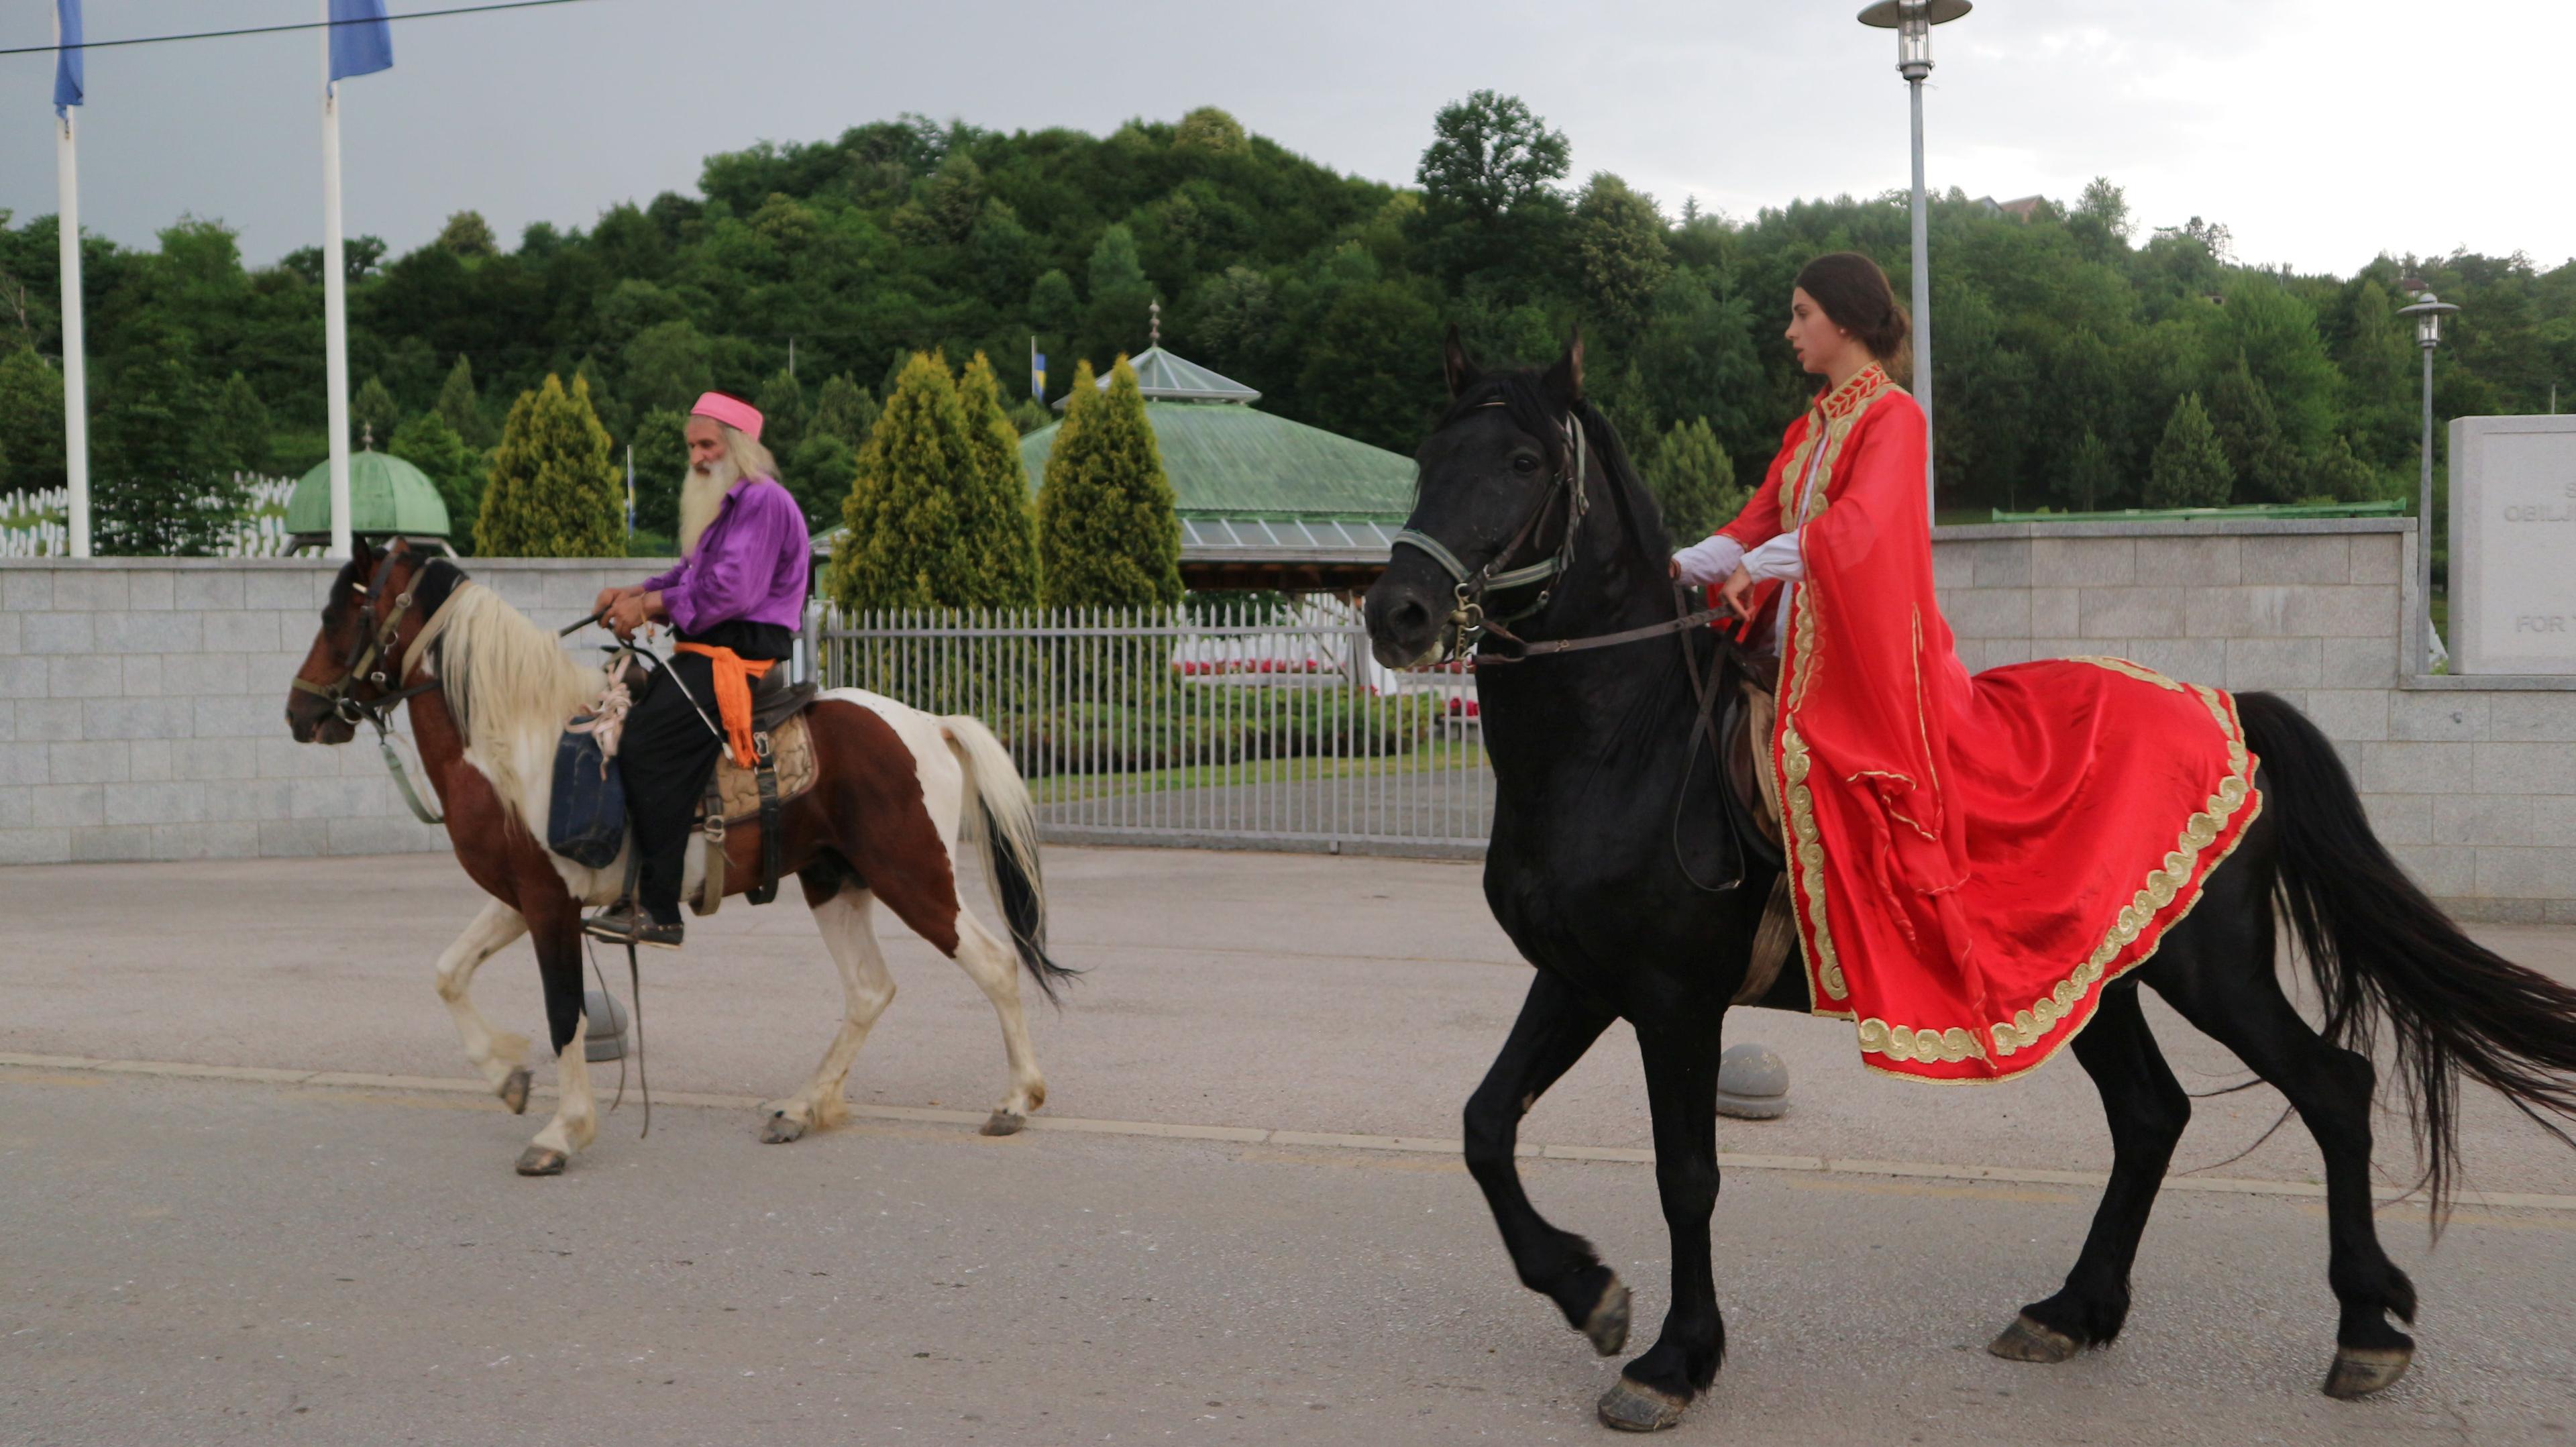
[{"x": 1857, "y": 298}]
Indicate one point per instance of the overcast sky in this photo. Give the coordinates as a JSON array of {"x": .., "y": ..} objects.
[{"x": 2306, "y": 126}]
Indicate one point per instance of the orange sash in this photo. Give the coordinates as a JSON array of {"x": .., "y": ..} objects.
[{"x": 734, "y": 674}]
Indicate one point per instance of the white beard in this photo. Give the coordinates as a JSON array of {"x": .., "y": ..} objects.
[{"x": 701, "y": 494}]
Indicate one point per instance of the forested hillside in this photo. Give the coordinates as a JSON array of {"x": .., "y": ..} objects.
[{"x": 2067, "y": 340}]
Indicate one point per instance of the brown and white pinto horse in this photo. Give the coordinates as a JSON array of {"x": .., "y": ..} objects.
[{"x": 489, "y": 692}]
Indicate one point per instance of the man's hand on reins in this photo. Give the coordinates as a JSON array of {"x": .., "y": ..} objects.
[
  {"x": 630, "y": 610},
  {"x": 610, "y": 597}
]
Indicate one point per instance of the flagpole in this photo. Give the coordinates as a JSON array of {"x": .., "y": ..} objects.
[
  {"x": 335, "y": 304},
  {"x": 75, "y": 359}
]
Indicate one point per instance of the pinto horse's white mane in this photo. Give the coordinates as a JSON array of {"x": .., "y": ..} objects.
[{"x": 510, "y": 686}]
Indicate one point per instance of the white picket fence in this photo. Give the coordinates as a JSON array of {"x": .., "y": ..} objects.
[{"x": 34, "y": 523}]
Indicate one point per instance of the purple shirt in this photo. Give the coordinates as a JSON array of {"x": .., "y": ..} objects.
[{"x": 750, "y": 564}]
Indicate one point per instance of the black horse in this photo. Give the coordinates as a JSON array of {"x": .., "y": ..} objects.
[{"x": 1610, "y": 839}]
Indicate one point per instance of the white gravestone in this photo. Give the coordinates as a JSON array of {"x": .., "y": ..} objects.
[{"x": 2513, "y": 545}]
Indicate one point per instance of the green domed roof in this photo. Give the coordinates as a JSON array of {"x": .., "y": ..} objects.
[
  {"x": 386, "y": 496},
  {"x": 1231, "y": 461}
]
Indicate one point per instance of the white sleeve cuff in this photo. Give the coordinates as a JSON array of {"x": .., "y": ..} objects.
[
  {"x": 1709, "y": 561},
  {"x": 1778, "y": 558}
]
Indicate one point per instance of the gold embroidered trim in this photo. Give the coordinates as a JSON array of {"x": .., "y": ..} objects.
[
  {"x": 1827, "y": 427},
  {"x": 1896, "y": 1042},
  {"x": 2138, "y": 671},
  {"x": 2027, "y": 1027},
  {"x": 1809, "y": 876}
]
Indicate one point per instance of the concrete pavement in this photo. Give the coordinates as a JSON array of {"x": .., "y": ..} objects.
[{"x": 985, "y": 1289}]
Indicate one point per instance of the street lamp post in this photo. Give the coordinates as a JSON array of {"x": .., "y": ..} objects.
[
  {"x": 1912, "y": 20},
  {"x": 2428, "y": 312}
]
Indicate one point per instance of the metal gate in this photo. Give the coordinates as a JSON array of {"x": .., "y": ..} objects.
[{"x": 1250, "y": 724}]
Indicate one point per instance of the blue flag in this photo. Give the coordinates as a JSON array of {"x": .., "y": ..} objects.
[
  {"x": 1037, "y": 375},
  {"x": 68, "y": 77},
  {"x": 362, "y": 42}
]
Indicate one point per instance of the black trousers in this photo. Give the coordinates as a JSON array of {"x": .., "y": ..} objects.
[{"x": 669, "y": 751}]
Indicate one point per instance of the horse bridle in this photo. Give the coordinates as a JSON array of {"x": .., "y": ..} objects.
[
  {"x": 1469, "y": 620},
  {"x": 370, "y": 657}
]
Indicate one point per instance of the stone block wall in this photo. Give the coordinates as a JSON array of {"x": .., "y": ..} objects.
[
  {"x": 2471, "y": 781},
  {"x": 142, "y": 709}
]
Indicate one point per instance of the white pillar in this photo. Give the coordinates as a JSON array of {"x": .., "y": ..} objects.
[
  {"x": 335, "y": 305},
  {"x": 75, "y": 359}
]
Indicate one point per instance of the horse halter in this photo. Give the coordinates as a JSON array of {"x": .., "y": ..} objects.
[
  {"x": 1469, "y": 621},
  {"x": 370, "y": 657}
]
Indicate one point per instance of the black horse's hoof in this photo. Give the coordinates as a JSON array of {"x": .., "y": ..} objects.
[
  {"x": 2028, "y": 1341},
  {"x": 542, "y": 1161},
  {"x": 1607, "y": 1326},
  {"x": 514, "y": 1091},
  {"x": 1003, "y": 1122},
  {"x": 1634, "y": 1407},
  {"x": 780, "y": 1128},
  {"x": 2360, "y": 1371}
]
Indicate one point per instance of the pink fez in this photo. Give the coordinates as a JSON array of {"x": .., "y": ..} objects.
[{"x": 731, "y": 411}]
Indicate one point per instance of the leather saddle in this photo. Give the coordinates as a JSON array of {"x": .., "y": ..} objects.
[
  {"x": 783, "y": 768},
  {"x": 1744, "y": 742}
]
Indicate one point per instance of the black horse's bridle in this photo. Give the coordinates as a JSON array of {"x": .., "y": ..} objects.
[{"x": 1469, "y": 620}]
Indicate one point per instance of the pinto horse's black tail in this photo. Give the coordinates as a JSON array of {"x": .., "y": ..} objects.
[{"x": 2378, "y": 948}]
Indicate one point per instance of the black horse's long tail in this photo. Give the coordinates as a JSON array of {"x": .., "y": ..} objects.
[{"x": 2379, "y": 949}]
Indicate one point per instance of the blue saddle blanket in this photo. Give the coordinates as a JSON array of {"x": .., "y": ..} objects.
[{"x": 586, "y": 817}]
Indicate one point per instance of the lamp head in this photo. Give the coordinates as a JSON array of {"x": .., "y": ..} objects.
[
  {"x": 1912, "y": 20},
  {"x": 2428, "y": 312}
]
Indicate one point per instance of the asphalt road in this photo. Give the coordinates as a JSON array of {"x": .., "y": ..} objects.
[{"x": 187, "y": 1260}]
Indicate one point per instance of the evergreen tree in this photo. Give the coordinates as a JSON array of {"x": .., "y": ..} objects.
[
  {"x": 819, "y": 477},
  {"x": 846, "y": 410},
  {"x": 2337, "y": 474},
  {"x": 372, "y": 414},
  {"x": 467, "y": 234},
  {"x": 462, "y": 407},
  {"x": 1029, "y": 414},
  {"x": 613, "y": 414},
  {"x": 1107, "y": 533},
  {"x": 163, "y": 486},
  {"x": 1620, "y": 238},
  {"x": 2190, "y": 468},
  {"x": 1119, "y": 292},
  {"x": 31, "y": 417},
  {"x": 2091, "y": 478},
  {"x": 2249, "y": 430},
  {"x": 905, "y": 546},
  {"x": 428, "y": 443},
  {"x": 555, "y": 492},
  {"x": 1000, "y": 531},
  {"x": 1693, "y": 482},
  {"x": 661, "y": 461},
  {"x": 241, "y": 425},
  {"x": 781, "y": 401}
]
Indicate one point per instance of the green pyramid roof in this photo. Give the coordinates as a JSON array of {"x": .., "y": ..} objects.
[
  {"x": 386, "y": 496},
  {"x": 1162, "y": 377},
  {"x": 1231, "y": 461}
]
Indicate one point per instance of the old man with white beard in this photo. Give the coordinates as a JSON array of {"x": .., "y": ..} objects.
[{"x": 734, "y": 604}]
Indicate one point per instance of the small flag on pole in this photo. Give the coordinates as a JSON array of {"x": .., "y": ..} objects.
[
  {"x": 1037, "y": 375},
  {"x": 69, "y": 75},
  {"x": 362, "y": 42}
]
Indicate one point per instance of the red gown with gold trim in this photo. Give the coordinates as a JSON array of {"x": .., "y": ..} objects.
[{"x": 1972, "y": 859}]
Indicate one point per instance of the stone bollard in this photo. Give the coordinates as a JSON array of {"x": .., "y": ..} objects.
[
  {"x": 1752, "y": 1082},
  {"x": 606, "y": 1039}
]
